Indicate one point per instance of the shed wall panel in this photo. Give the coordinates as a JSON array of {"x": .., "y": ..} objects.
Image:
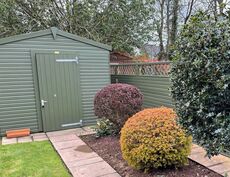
[{"x": 17, "y": 93}]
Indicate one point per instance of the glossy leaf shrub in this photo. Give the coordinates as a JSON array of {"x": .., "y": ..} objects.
[
  {"x": 117, "y": 102},
  {"x": 152, "y": 139},
  {"x": 201, "y": 81},
  {"x": 105, "y": 127}
]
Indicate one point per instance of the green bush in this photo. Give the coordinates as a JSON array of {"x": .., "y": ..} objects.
[
  {"x": 152, "y": 139},
  {"x": 200, "y": 79},
  {"x": 105, "y": 127}
]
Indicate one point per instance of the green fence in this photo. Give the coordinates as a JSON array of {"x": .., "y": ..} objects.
[{"x": 151, "y": 78}]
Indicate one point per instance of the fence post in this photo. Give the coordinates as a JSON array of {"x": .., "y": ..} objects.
[{"x": 115, "y": 70}]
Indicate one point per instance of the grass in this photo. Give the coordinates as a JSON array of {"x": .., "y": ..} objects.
[{"x": 36, "y": 159}]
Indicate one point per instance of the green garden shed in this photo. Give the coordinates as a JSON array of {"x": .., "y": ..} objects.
[{"x": 48, "y": 80}]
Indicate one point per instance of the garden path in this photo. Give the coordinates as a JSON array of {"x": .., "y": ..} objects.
[
  {"x": 78, "y": 157},
  {"x": 82, "y": 161}
]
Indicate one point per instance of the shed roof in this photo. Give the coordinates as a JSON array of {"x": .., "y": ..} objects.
[{"x": 53, "y": 31}]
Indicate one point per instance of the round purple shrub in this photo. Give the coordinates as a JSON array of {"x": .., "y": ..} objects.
[{"x": 118, "y": 102}]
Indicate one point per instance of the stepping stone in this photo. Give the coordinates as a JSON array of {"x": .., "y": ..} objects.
[
  {"x": 221, "y": 168},
  {"x": 88, "y": 130},
  {"x": 6, "y": 141},
  {"x": 39, "y": 135},
  {"x": 87, "y": 161},
  {"x": 71, "y": 155},
  {"x": 61, "y": 138},
  {"x": 220, "y": 164},
  {"x": 41, "y": 138},
  {"x": 25, "y": 139},
  {"x": 80, "y": 131},
  {"x": 81, "y": 160},
  {"x": 62, "y": 132},
  {"x": 96, "y": 169},
  {"x": 67, "y": 144}
]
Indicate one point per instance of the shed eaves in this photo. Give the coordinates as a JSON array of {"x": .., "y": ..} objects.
[{"x": 54, "y": 31}]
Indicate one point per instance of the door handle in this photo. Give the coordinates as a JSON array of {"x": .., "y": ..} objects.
[{"x": 43, "y": 103}]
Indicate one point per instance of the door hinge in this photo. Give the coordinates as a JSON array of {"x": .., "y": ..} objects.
[
  {"x": 76, "y": 60},
  {"x": 73, "y": 124}
]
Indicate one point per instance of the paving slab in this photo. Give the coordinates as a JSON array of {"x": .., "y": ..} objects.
[
  {"x": 78, "y": 157},
  {"x": 221, "y": 168},
  {"x": 61, "y": 138},
  {"x": 61, "y": 132},
  {"x": 6, "y": 141},
  {"x": 87, "y": 161},
  {"x": 40, "y": 138},
  {"x": 219, "y": 164},
  {"x": 80, "y": 131},
  {"x": 25, "y": 139},
  {"x": 96, "y": 169},
  {"x": 60, "y": 145},
  {"x": 38, "y": 134},
  {"x": 71, "y": 155}
]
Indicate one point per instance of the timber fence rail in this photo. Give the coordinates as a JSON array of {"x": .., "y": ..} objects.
[{"x": 142, "y": 69}]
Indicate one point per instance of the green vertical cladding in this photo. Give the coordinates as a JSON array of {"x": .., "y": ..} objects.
[
  {"x": 154, "y": 88},
  {"x": 59, "y": 85},
  {"x": 17, "y": 92}
]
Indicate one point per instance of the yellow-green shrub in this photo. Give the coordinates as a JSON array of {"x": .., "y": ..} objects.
[{"x": 152, "y": 139}]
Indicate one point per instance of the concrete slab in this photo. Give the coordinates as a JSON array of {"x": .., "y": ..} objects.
[
  {"x": 70, "y": 155},
  {"x": 87, "y": 161},
  {"x": 6, "y": 141},
  {"x": 96, "y": 169},
  {"x": 67, "y": 144},
  {"x": 38, "y": 135},
  {"x": 78, "y": 157},
  {"x": 61, "y": 138},
  {"x": 220, "y": 164},
  {"x": 25, "y": 139},
  {"x": 40, "y": 138},
  {"x": 88, "y": 130},
  {"x": 61, "y": 132},
  {"x": 221, "y": 168}
]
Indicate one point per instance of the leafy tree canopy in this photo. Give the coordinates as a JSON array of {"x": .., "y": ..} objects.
[{"x": 120, "y": 23}]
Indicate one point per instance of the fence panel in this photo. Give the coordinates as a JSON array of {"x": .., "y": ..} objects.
[{"x": 151, "y": 78}]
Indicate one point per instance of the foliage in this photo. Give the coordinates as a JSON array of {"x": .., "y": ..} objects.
[
  {"x": 152, "y": 139},
  {"x": 105, "y": 127},
  {"x": 37, "y": 159},
  {"x": 201, "y": 78},
  {"x": 117, "y": 102},
  {"x": 116, "y": 23}
]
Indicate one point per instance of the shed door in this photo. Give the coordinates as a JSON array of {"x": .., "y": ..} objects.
[{"x": 59, "y": 86}]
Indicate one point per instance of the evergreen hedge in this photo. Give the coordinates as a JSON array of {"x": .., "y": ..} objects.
[{"x": 200, "y": 79}]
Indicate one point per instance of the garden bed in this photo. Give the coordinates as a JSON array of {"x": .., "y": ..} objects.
[{"x": 109, "y": 149}]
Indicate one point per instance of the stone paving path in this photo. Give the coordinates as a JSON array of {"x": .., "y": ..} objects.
[
  {"x": 83, "y": 162},
  {"x": 78, "y": 157},
  {"x": 219, "y": 164}
]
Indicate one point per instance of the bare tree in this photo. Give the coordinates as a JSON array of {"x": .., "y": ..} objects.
[{"x": 160, "y": 28}]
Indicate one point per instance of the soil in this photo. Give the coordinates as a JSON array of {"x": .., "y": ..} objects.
[{"x": 109, "y": 149}]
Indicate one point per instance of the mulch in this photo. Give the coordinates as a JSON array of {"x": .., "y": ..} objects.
[{"x": 109, "y": 149}]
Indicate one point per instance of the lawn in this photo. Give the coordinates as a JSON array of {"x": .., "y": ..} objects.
[{"x": 36, "y": 159}]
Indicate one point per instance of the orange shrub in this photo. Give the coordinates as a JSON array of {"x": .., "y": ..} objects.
[{"x": 152, "y": 139}]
